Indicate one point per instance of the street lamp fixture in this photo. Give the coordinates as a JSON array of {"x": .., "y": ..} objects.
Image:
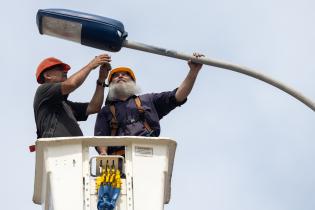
[
  {"x": 108, "y": 34},
  {"x": 90, "y": 30}
]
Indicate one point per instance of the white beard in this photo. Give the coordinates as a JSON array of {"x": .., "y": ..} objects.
[{"x": 122, "y": 90}]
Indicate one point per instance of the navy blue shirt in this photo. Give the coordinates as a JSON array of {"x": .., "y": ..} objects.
[
  {"x": 55, "y": 116},
  {"x": 130, "y": 121}
]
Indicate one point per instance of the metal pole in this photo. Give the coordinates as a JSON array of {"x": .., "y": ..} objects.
[{"x": 220, "y": 64}]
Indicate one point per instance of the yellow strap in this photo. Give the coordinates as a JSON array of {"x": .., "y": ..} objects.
[{"x": 138, "y": 104}]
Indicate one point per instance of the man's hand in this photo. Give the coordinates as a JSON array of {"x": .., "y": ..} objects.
[
  {"x": 99, "y": 60},
  {"x": 101, "y": 150},
  {"x": 195, "y": 66},
  {"x": 79, "y": 77},
  {"x": 96, "y": 102},
  {"x": 185, "y": 88},
  {"x": 104, "y": 70}
]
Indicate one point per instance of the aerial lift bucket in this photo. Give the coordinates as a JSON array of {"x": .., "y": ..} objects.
[{"x": 65, "y": 172}]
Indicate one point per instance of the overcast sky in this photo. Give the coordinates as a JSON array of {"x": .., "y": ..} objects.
[{"x": 242, "y": 144}]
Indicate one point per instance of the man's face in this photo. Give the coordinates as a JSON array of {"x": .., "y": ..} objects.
[
  {"x": 119, "y": 77},
  {"x": 122, "y": 89},
  {"x": 56, "y": 74}
]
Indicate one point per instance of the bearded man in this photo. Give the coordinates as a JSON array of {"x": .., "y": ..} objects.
[{"x": 127, "y": 114}]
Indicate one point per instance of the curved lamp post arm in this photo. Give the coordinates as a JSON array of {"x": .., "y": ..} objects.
[
  {"x": 109, "y": 34},
  {"x": 220, "y": 64}
]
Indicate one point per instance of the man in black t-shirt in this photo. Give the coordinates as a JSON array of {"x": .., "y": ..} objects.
[{"x": 55, "y": 115}]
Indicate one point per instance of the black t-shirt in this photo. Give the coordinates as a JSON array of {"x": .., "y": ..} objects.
[{"x": 55, "y": 116}]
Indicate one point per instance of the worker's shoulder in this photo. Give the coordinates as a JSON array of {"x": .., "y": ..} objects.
[
  {"x": 146, "y": 96},
  {"x": 48, "y": 86},
  {"x": 48, "y": 90}
]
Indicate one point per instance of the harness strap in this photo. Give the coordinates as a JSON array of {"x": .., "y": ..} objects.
[
  {"x": 114, "y": 121},
  {"x": 141, "y": 110}
]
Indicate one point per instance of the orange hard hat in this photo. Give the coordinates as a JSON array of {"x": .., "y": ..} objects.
[
  {"x": 121, "y": 69},
  {"x": 47, "y": 63}
]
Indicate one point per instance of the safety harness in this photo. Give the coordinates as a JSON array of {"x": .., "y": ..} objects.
[{"x": 114, "y": 122}]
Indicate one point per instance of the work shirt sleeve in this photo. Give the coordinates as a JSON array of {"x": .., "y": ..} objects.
[
  {"x": 79, "y": 110},
  {"x": 50, "y": 92},
  {"x": 165, "y": 102},
  {"x": 101, "y": 125}
]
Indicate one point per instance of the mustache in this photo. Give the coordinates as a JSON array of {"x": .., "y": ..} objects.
[{"x": 122, "y": 90}]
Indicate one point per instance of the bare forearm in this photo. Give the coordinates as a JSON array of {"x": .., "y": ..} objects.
[
  {"x": 75, "y": 80},
  {"x": 96, "y": 102},
  {"x": 186, "y": 86},
  {"x": 79, "y": 77}
]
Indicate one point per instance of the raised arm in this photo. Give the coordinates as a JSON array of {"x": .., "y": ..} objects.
[
  {"x": 186, "y": 86},
  {"x": 79, "y": 77},
  {"x": 96, "y": 102}
]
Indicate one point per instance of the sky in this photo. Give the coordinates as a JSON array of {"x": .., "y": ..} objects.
[{"x": 242, "y": 144}]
